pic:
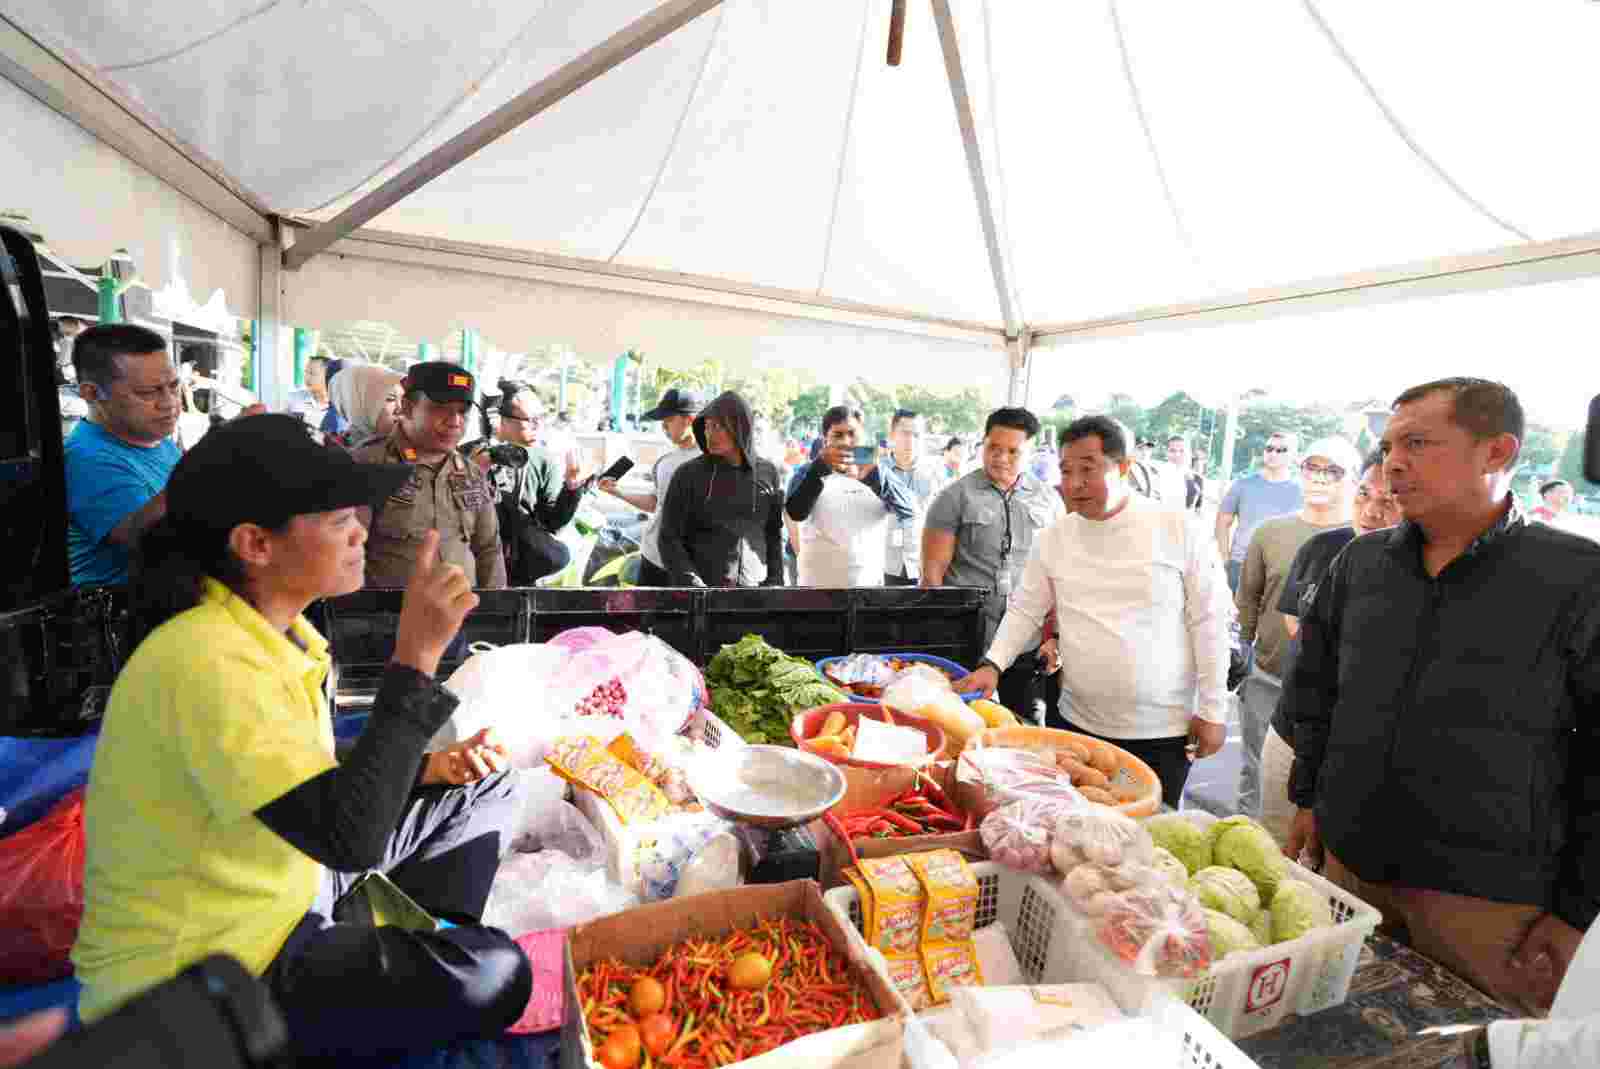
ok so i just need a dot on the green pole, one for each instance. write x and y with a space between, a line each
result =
427 351
305 347
110 310
254 385
469 348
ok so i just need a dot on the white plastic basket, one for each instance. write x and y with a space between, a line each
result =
1050 950
623 841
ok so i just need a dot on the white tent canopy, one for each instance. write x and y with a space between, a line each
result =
759 183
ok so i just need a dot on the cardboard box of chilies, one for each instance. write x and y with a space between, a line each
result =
640 936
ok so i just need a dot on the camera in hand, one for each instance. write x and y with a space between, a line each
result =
864 455
213 1015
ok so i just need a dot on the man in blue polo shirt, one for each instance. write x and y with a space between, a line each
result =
119 458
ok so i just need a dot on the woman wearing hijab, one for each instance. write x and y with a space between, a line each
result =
368 398
219 818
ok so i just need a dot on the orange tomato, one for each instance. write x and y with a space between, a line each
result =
657 1031
614 1055
625 1038
647 997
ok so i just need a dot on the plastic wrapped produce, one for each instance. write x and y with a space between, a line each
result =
920 696
1169 867
1158 931
1104 836
1002 774
675 842
1017 835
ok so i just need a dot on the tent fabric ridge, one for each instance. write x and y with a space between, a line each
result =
677 132
844 150
445 114
1185 237
199 42
1400 129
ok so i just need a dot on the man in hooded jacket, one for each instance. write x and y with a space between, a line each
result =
722 520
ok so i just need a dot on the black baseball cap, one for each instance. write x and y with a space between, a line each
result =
676 402
268 469
442 382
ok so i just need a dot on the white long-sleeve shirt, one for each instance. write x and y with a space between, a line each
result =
1570 1038
1143 607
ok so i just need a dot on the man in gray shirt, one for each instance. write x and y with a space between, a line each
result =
923 478
981 529
1251 501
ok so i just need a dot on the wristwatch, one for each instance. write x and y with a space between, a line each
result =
1480 1049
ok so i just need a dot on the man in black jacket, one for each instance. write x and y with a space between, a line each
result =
1446 704
536 493
722 520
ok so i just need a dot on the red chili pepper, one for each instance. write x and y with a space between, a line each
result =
903 822
932 789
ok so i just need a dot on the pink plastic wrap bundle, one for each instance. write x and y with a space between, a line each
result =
545 952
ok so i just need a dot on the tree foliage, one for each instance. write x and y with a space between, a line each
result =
1571 466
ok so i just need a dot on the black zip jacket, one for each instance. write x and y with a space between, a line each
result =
722 524
1447 729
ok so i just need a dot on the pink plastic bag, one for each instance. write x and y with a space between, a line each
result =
545 951
41 895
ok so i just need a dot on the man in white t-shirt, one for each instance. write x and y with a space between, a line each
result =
1143 612
676 411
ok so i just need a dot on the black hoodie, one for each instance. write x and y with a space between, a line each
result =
721 524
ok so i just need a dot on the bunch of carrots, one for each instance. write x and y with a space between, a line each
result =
722 1002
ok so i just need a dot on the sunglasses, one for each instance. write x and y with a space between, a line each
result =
1276 449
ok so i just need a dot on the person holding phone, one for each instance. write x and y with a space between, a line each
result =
220 816
844 507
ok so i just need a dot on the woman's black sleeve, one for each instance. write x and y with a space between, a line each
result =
804 498
343 818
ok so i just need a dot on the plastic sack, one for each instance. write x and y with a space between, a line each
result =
41 895
922 670
533 892
655 688
35 774
1157 931
561 827
1017 835
507 689
861 669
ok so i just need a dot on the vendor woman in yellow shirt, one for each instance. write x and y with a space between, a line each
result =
219 819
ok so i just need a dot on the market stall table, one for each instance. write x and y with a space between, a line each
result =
1396 995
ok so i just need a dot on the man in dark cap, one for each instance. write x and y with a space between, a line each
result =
445 493
676 411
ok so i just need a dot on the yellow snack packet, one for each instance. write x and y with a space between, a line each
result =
582 761
897 905
948 953
852 875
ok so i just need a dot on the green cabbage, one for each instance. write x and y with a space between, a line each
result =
1261 927
1298 908
1227 891
1186 840
1251 849
1228 936
1218 829
1169 867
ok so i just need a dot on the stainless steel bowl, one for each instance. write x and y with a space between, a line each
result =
766 786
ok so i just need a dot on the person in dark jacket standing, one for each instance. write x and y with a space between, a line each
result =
1446 707
722 521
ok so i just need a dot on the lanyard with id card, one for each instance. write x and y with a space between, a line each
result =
1004 581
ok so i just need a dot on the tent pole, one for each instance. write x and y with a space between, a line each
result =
1229 438
980 183
1019 358
620 46
268 363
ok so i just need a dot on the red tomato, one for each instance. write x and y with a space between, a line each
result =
657 1031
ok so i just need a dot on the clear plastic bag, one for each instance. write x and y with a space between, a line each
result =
1104 837
920 696
506 689
676 841
533 892
1017 835
1157 930
654 688
1003 774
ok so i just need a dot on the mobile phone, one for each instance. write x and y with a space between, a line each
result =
865 454
618 470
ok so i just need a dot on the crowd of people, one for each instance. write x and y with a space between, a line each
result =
1422 659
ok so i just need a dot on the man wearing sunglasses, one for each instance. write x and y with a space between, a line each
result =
1257 498
1329 473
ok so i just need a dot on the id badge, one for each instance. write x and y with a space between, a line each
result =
897 538
1003 582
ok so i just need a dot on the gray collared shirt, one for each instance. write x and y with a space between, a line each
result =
980 515
903 556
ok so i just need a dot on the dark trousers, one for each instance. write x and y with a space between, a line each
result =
1167 758
537 553
898 580
652 574
1019 687
355 991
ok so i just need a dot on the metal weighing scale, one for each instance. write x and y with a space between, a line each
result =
770 793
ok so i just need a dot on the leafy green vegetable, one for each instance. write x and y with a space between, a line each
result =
756 690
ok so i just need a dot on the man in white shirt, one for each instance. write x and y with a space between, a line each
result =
1143 607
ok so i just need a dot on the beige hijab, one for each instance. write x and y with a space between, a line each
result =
360 392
